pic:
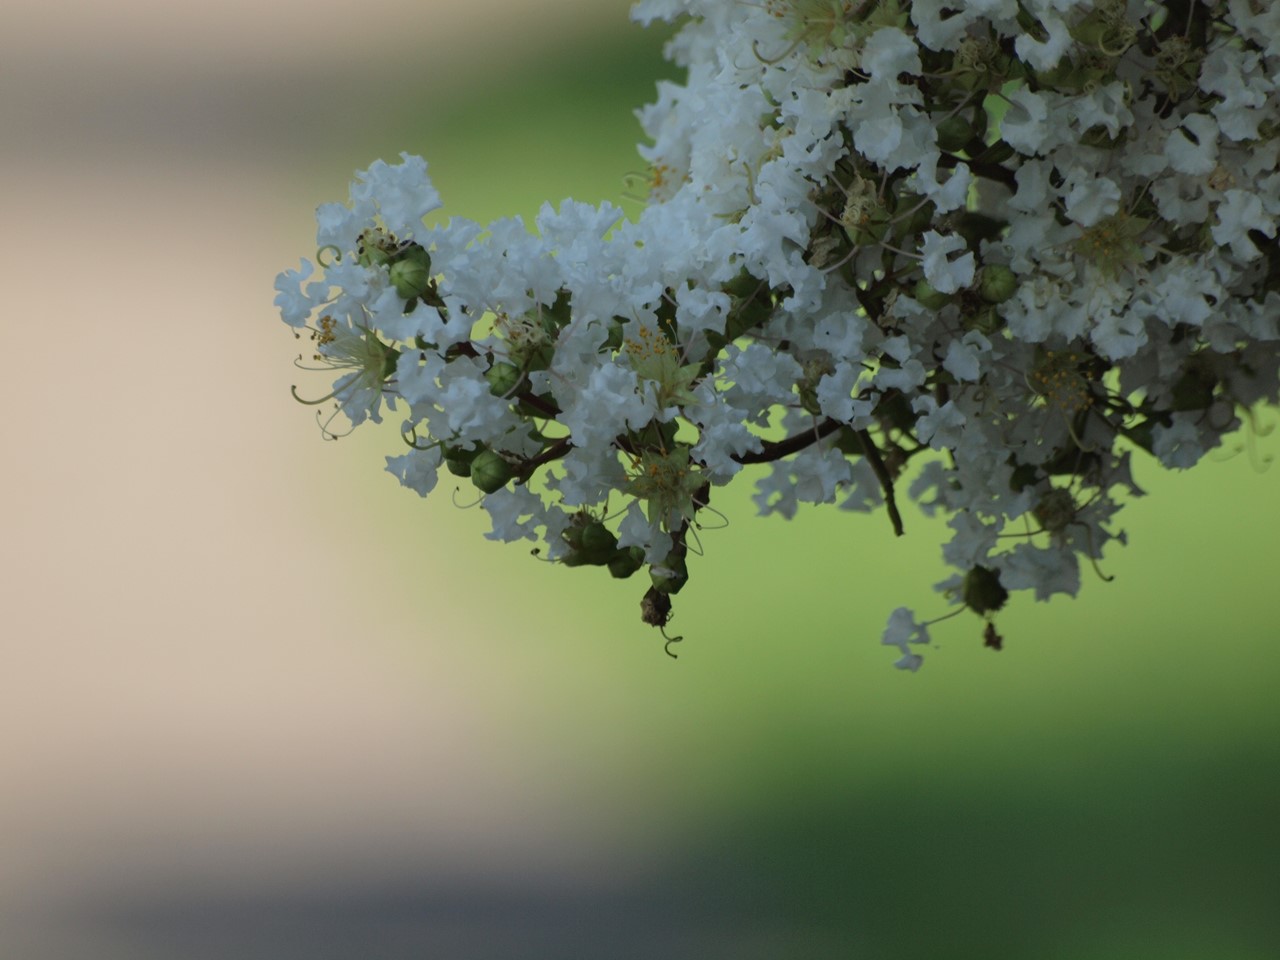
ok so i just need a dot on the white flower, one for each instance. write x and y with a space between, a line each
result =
1025 124
1178 445
296 306
938 426
964 356
401 193
1238 213
515 513
1046 570
1106 107
902 630
417 469
946 274
1044 55
365 362
888 53
609 404
1193 146
1091 198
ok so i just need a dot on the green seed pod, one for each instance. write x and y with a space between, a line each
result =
983 592
410 277
626 562
459 460
986 320
490 472
670 576
598 543
503 378
572 534
414 252
929 295
1056 510
998 283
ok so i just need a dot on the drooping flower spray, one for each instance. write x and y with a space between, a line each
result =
1019 241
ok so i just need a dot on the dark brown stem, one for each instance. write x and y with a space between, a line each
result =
776 450
872 453
553 452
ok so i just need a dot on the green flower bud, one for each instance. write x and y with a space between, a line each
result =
503 378
411 278
998 283
598 544
626 562
670 576
1056 510
983 592
490 472
458 460
929 295
986 320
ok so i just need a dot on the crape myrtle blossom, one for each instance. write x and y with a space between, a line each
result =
979 255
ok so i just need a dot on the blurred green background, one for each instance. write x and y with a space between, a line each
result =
1104 787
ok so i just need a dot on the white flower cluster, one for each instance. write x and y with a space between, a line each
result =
1020 239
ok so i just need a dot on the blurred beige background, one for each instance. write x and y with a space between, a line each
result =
202 677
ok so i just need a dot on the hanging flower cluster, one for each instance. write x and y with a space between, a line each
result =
1019 240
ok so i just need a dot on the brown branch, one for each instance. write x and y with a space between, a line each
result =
553 452
777 449
872 453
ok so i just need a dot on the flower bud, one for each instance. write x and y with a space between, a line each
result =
503 378
411 277
626 562
983 592
998 283
490 472
458 460
597 543
1056 510
669 576
986 320
930 296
